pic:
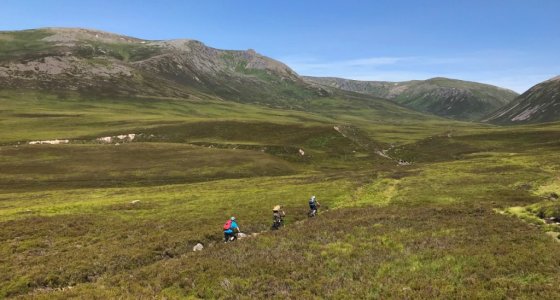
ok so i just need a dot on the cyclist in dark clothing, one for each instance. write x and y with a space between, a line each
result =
313 206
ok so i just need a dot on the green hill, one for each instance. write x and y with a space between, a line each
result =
450 98
539 104
98 62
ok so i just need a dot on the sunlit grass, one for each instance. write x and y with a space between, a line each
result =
120 221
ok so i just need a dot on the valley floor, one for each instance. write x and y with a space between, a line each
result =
94 220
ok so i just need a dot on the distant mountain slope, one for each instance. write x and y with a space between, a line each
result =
101 62
541 103
444 97
89 64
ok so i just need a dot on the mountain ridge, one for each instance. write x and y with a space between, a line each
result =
102 63
451 98
98 61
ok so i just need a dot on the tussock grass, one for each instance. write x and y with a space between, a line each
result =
34 167
80 235
30 115
391 252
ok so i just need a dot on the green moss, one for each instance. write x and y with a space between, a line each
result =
524 214
128 52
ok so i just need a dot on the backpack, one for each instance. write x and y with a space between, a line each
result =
227 225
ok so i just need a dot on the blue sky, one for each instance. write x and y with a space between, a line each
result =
510 43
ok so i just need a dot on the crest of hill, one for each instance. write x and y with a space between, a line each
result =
539 104
450 98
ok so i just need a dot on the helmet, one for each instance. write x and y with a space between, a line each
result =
313 197
232 218
277 208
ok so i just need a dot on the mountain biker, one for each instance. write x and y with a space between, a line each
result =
313 206
278 215
230 230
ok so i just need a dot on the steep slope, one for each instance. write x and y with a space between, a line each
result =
450 98
541 103
101 62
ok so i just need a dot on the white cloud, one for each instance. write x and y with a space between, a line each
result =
373 61
492 67
308 65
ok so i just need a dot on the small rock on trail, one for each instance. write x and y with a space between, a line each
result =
198 247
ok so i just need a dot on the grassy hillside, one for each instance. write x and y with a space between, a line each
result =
101 63
455 99
539 104
71 225
31 115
